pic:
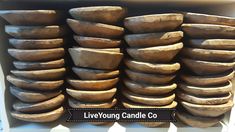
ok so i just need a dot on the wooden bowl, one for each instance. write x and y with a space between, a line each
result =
30 17
149 99
99 43
36 43
32 96
207 110
51 74
35 32
207 90
207 67
145 89
92 96
130 104
93 74
208 54
78 104
93 85
156 79
209 80
163 54
217 44
102 14
146 67
153 39
37 54
197 121
34 85
208 19
153 23
92 29
43 106
39 65
203 100
208 31
39 117
92 58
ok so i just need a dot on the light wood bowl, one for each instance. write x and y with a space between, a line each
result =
208 80
21 65
153 23
92 29
153 39
37 54
32 96
78 104
93 85
93 74
207 67
92 58
92 96
163 54
39 117
146 67
43 106
36 43
157 79
102 14
94 42
145 89
34 85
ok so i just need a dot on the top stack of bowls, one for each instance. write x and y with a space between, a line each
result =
209 53
151 67
37 41
96 55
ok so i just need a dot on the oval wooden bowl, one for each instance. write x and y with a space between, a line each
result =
149 99
30 17
163 54
51 74
207 110
153 23
102 14
146 67
94 42
93 74
78 104
21 65
93 85
218 44
197 121
92 58
32 96
37 54
209 80
130 104
208 19
206 90
207 67
153 39
39 117
35 32
212 100
208 54
36 43
92 29
92 96
157 79
145 89
208 31
34 85
43 106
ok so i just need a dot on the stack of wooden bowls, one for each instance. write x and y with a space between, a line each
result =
37 47
97 58
151 68
209 53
